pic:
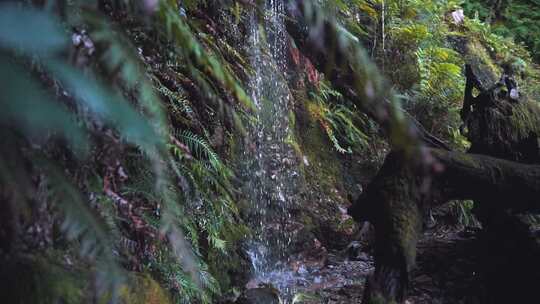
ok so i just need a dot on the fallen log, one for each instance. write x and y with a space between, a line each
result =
396 199
503 190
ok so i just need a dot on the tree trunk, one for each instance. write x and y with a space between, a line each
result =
396 199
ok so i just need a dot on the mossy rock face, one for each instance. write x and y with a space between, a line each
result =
323 170
144 290
261 295
35 279
322 160
46 279
229 270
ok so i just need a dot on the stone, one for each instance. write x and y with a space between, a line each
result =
260 295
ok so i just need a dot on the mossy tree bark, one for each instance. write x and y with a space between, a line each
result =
504 193
507 126
396 199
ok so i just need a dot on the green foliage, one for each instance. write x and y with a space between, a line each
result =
176 279
500 41
419 38
28 107
413 35
35 109
304 298
30 31
127 171
201 150
440 90
430 76
519 20
202 64
178 101
341 124
463 212
440 75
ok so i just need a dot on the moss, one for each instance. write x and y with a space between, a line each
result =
307 221
478 57
464 158
403 216
144 290
324 172
508 131
409 224
42 279
46 279
525 120
324 163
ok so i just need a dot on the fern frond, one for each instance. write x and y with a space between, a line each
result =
178 101
201 149
179 32
82 224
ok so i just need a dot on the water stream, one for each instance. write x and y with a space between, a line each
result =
272 174
273 181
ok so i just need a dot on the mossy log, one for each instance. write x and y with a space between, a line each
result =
503 188
507 127
396 199
497 124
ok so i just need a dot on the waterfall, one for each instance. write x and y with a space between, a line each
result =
271 173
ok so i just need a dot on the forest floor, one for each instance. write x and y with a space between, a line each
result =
445 273
446 268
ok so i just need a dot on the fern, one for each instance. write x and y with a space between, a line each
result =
201 149
338 121
108 113
178 31
97 102
179 102
80 223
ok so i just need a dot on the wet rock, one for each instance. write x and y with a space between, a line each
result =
259 295
302 240
353 251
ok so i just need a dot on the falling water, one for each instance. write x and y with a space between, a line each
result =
272 175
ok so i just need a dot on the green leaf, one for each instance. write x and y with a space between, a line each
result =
30 30
108 105
29 108
83 224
